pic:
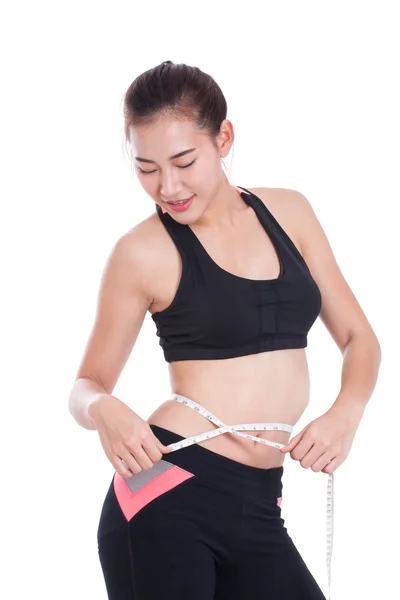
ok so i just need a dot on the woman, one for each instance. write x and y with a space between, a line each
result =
234 278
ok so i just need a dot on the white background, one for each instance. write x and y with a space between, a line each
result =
312 92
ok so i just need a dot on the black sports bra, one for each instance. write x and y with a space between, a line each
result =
216 314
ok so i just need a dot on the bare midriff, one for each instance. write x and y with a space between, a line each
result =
265 387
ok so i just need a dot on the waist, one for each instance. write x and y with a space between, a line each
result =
253 481
181 420
220 470
266 381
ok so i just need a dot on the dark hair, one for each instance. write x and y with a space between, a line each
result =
183 91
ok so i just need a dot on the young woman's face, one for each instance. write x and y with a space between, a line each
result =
167 177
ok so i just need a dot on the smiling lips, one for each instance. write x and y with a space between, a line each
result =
178 201
181 205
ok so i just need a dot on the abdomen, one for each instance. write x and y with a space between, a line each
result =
265 387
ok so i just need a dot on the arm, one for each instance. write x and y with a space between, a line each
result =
341 315
83 397
361 362
121 309
329 437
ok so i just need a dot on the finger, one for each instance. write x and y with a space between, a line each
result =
161 446
322 461
141 457
292 444
153 448
295 440
333 465
311 457
151 440
130 460
121 467
304 446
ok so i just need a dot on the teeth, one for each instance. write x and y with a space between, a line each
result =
180 202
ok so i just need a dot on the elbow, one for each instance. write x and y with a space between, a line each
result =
72 406
369 339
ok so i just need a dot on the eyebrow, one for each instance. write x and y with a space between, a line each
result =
146 160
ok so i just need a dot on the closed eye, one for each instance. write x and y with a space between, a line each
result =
149 172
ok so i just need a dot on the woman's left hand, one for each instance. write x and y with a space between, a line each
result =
325 442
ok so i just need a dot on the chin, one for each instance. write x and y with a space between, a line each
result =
186 218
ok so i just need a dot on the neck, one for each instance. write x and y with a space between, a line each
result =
225 209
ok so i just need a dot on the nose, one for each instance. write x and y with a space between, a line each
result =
170 187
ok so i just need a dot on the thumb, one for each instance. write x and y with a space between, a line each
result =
163 448
293 442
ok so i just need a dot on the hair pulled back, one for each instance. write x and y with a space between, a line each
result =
179 90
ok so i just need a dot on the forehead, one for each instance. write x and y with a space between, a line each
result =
165 136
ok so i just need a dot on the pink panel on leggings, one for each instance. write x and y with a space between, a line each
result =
279 501
132 502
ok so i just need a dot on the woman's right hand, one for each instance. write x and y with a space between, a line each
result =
125 436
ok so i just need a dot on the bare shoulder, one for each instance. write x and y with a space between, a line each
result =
341 313
289 207
125 295
151 255
140 246
138 243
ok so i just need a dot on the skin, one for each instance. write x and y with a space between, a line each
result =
143 273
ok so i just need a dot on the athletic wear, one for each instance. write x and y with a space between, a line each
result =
199 526
216 314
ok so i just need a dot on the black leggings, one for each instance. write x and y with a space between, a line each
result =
199 526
